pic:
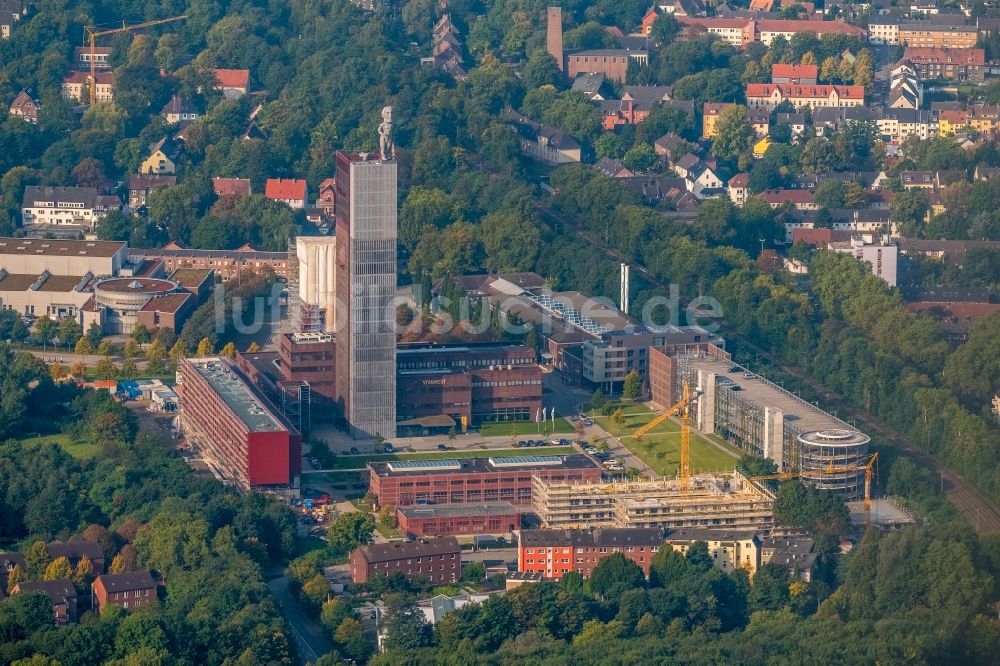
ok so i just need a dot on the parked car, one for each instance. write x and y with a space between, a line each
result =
388 448
354 450
523 443
442 447
735 368
734 387
564 442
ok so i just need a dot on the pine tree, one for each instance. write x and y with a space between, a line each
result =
229 351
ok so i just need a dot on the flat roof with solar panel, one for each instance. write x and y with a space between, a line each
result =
524 461
480 465
423 465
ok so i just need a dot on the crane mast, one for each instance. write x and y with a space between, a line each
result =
683 407
93 32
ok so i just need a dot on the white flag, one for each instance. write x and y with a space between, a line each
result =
553 414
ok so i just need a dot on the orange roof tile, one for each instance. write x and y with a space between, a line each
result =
283 189
794 71
233 78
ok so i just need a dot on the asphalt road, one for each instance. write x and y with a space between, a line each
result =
307 633
981 513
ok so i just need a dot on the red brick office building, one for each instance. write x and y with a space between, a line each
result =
472 480
485 518
130 590
553 553
238 431
308 357
440 560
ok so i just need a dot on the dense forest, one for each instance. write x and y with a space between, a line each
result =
146 509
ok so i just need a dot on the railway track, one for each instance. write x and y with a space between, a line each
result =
982 514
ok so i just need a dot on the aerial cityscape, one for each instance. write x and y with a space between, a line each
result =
405 332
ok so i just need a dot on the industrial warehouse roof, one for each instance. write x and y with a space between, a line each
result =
606 536
481 465
190 277
56 283
237 394
460 510
387 552
60 248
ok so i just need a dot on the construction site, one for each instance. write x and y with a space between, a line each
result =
714 501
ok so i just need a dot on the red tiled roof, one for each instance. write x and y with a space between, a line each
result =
954 116
328 182
946 56
168 303
957 310
233 78
281 189
225 187
819 27
794 71
798 90
740 180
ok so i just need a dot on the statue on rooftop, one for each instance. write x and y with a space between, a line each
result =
385 140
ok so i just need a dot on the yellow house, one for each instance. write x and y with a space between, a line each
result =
730 551
162 158
761 147
710 116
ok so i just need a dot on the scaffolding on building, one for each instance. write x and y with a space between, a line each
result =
712 501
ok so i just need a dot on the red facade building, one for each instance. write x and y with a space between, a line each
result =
553 553
130 590
439 560
60 592
486 518
472 480
241 435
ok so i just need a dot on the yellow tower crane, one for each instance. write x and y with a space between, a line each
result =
683 406
869 473
92 32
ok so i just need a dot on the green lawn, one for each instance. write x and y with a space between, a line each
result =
516 428
661 447
79 450
90 375
357 462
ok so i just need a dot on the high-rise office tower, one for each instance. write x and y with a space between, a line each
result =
366 285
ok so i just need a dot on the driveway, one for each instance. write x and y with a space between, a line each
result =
310 642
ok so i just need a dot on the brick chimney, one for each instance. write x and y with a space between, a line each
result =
553 35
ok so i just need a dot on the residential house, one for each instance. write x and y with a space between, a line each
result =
738 188
590 85
794 553
710 116
951 121
25 106
894 125
76 86
663 189
905 91
447 48
231 187
61 594
800 199
9 560
930 180
770 95
700 179
796 121
637 103
676 8
437 560
74 551
101 57
760 148
140 185
760 121
938 35
733 31
179 109
59 206
327 200
730 551
669 144
960 64
290 191
613 168
11 11
131 590
984 118
767 30
163 157
884 29
543 143
234 83
799 74
880 256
